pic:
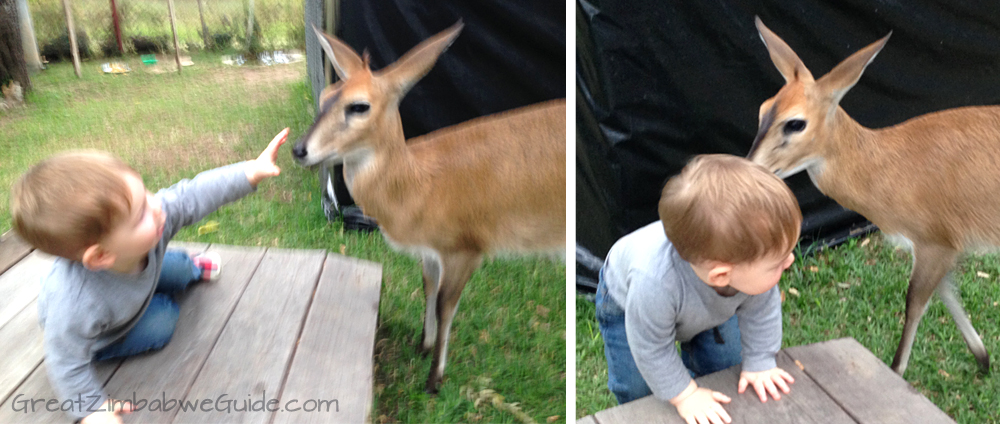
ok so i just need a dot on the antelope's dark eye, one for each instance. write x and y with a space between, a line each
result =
359 107
794 126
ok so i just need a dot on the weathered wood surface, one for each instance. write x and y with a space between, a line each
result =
22 349
863 385
285 324
12 250
333 361
17 409
841 382
20 284
205 308
249 361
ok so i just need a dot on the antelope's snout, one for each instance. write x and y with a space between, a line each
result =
299 152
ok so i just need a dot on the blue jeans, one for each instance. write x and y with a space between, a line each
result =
702 355
156 326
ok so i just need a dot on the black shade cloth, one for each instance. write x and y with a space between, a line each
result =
511 53
661 81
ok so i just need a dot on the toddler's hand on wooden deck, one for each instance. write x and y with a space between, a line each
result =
699 405
765 382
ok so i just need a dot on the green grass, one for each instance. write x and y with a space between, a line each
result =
870 309
509 333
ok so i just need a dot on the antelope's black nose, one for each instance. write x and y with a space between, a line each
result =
299 150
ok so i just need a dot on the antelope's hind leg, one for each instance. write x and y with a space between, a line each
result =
951 299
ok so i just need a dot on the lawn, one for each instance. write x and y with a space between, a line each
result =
858 290
509 333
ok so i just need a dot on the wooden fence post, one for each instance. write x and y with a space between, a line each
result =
204 28
72 38
117 26
173 28
250 27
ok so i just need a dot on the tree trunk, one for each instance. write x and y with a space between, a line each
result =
12 65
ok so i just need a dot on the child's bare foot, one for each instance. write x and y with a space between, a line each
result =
210 265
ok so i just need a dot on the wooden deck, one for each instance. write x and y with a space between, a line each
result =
297 326
839 382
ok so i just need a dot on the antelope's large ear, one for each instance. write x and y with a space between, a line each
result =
787 62
417 62
343 58
847 73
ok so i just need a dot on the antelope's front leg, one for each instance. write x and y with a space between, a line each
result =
432 281
456 268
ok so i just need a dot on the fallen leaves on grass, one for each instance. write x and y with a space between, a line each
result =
793 291
865 242
981 274
209 227
486 396
542 311
944 373
813 268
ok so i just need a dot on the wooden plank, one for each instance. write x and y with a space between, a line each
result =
333 360
865 387
18 409
19 286
249 362
205 308
23 350
12 250
646 410
589 419
807 403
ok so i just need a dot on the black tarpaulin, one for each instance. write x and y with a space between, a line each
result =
510 54
661 81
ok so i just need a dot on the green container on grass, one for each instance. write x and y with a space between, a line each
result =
148 59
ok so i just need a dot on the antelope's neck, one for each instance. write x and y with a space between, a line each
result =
384 178
844 167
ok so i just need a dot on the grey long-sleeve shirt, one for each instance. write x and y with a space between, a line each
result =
83 311
665 302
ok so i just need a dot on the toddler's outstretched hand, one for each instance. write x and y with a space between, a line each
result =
265 165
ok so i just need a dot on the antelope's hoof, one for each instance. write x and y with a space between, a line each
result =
984 364
431 388
422 350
